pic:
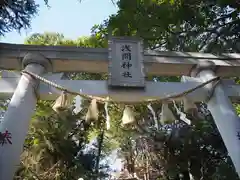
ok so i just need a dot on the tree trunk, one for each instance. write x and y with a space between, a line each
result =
100 142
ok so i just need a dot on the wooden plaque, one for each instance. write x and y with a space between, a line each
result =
126 62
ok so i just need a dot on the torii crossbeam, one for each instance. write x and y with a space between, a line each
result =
52 59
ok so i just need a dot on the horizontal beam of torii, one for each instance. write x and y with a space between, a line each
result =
153 90
95 60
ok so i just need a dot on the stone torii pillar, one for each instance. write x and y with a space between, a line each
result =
222 110
18 115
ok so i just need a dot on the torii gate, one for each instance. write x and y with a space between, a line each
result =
53 59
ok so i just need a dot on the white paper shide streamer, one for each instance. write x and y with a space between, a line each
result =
107 116
78 104
183 116
154 115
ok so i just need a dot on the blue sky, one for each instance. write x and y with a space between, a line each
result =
69 17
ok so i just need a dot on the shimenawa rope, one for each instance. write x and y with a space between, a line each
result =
103 100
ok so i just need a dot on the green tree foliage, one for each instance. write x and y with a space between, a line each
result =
17 14
181 25
54 146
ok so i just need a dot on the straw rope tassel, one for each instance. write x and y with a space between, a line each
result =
128 116
189 105
62 102
92 113
166 115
